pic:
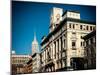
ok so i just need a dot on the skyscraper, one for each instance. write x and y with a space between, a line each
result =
35 55
35 45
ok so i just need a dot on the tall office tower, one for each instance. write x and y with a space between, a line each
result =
35 45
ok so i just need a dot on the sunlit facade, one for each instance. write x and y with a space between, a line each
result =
18 63
63 47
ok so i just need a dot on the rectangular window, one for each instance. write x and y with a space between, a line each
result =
73 26
81 37
87 28
81 43
69 25
55 49
80 26
73 33
73 45
90 27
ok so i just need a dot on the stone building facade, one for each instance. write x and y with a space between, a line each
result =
28 67
90 50
63 47
18 62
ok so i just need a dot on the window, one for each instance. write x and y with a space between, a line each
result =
81 37
93 28
90 27
73 45
69 25
64 35
55 49
81 43
76 24
64 43
87 28
73 26
73 33
58 49
64 62
80 26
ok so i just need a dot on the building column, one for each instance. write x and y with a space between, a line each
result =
53 48
59 48
51 51
56 49
46 55
68 62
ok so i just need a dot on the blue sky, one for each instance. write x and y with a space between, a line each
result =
30 17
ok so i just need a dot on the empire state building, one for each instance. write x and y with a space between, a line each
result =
35 45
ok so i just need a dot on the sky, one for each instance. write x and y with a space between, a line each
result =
30 17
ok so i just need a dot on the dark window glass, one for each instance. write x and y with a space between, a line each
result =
87 28
73 43
55 49
64 43
80 26
58 48
73 26
90 27
73 33
81 43
69 25
81 37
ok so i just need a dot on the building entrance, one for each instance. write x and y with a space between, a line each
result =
77 63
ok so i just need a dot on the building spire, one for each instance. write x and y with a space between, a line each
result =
34 36
35 45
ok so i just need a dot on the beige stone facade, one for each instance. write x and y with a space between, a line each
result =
18 63
63 47
35 62
28 67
